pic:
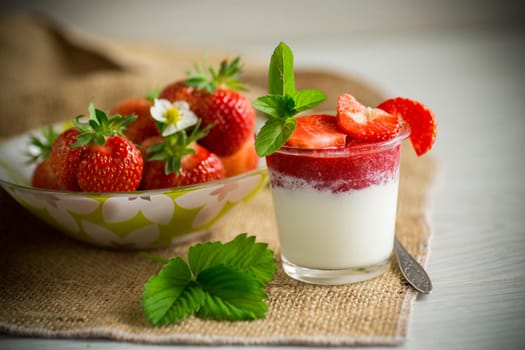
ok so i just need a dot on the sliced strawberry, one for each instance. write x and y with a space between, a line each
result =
420 119
317 131
365 123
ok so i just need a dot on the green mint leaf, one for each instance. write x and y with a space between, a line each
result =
273 135
281 79
276 106
306 99
231 294
171 295
282 102
242 253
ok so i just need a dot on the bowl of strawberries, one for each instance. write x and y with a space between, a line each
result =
150 172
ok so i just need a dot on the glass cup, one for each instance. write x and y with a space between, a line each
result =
336 209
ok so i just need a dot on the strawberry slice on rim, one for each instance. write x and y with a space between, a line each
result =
365 123
317 131
420 119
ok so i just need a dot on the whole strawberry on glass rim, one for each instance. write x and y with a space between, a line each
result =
334 178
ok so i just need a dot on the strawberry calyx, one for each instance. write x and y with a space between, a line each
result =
175 146
40 147
210 79
100 126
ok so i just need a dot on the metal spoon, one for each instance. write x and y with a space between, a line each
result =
413 272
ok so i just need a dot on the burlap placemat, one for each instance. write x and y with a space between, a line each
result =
54 286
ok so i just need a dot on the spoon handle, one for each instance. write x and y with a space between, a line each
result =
413 272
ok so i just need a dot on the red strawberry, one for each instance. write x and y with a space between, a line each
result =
201 166
181 91
115 166
244 160
42 176
64 159
317 131
365 123
96 157
144 126
420 119
222 105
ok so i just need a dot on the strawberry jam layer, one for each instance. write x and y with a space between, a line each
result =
354 167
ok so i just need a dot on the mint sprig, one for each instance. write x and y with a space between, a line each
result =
282 103
222 281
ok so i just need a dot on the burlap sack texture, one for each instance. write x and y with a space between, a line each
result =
54 286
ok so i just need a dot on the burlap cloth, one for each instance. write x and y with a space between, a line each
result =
53 286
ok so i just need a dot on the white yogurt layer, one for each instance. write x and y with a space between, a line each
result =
325 230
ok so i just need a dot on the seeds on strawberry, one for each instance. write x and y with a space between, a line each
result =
317 131
105 161
220 103
233 118
419 117
365 123
115 166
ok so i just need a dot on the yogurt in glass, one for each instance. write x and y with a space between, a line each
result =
336 209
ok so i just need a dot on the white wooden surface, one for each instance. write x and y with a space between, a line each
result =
463 58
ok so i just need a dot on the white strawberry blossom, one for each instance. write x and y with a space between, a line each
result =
176 116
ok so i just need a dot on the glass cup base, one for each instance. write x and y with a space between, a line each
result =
334 277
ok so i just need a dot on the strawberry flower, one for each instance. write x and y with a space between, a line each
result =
174 116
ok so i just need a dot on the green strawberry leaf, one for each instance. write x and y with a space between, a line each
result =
172 294
225 282
273 135
241 253
231 294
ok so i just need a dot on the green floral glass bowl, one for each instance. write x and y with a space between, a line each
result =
134 220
